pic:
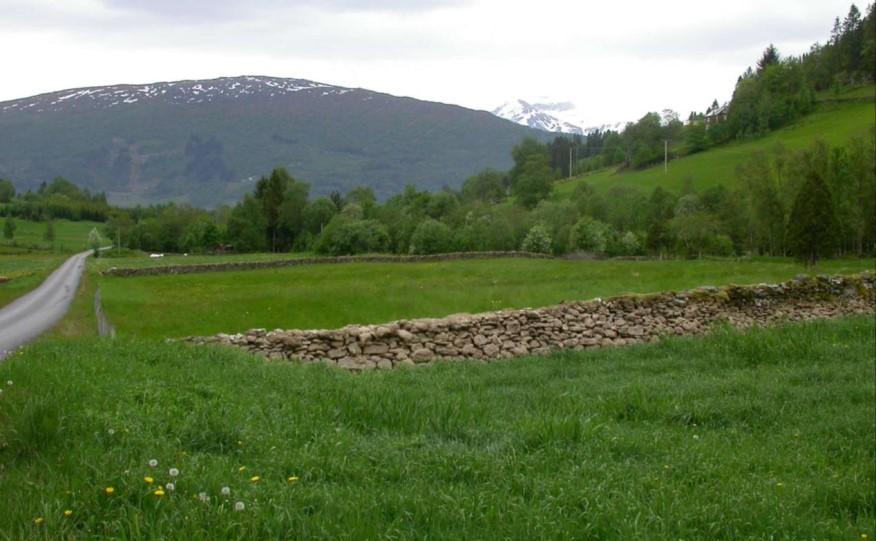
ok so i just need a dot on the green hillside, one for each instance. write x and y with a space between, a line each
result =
834 123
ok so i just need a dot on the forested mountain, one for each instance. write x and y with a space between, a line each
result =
205 142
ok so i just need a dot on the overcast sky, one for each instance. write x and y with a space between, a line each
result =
614 60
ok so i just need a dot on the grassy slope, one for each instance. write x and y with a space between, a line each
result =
70 237
767 435
328 296
833 123
868 91
26 272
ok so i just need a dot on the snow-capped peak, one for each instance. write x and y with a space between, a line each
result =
534 116
172 92
552 116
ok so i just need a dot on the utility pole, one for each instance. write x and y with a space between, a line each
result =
665 156
119 240
570 161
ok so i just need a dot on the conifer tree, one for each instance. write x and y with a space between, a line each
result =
811 228
9 228
770 56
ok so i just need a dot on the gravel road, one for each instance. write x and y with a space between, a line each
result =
38 311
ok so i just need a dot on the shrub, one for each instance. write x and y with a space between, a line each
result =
589 235
537 240
721 245
629 244
343 236
430 237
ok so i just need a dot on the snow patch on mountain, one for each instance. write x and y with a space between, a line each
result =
557 117
173 92
528 114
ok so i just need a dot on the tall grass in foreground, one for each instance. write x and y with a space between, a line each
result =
765 435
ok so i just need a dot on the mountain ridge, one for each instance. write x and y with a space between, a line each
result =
178 90
205 141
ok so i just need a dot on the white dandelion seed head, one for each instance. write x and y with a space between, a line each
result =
225 491
153 463
169 487
110 431
203 496
173 472
9 382
239 506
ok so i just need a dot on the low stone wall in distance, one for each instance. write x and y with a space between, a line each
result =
255 265
576 325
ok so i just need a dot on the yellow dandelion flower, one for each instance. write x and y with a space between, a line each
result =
292 479
38 521
254 478
780 484
864 536
109 490
242 468
159 492
68 512
149 480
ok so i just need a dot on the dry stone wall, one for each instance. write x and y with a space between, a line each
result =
255 265
575 325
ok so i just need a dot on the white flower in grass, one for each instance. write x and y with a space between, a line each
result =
9 382
169 487
225 491
239 506
173 472
110 431
153 463
203 496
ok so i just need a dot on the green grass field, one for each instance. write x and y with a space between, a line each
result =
26 271
767 435
70 237
832 123
142 259
868 91
329 296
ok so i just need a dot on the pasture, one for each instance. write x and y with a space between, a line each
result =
137 259
834 123
25 272
329 296
70 237
732 436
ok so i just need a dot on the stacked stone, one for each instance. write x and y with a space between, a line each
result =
576 325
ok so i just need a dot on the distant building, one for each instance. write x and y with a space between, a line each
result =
716 115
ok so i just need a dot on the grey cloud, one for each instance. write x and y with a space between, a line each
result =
217 10
740 37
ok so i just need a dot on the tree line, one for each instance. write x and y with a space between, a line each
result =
814 203
779 195
768 96
58 199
